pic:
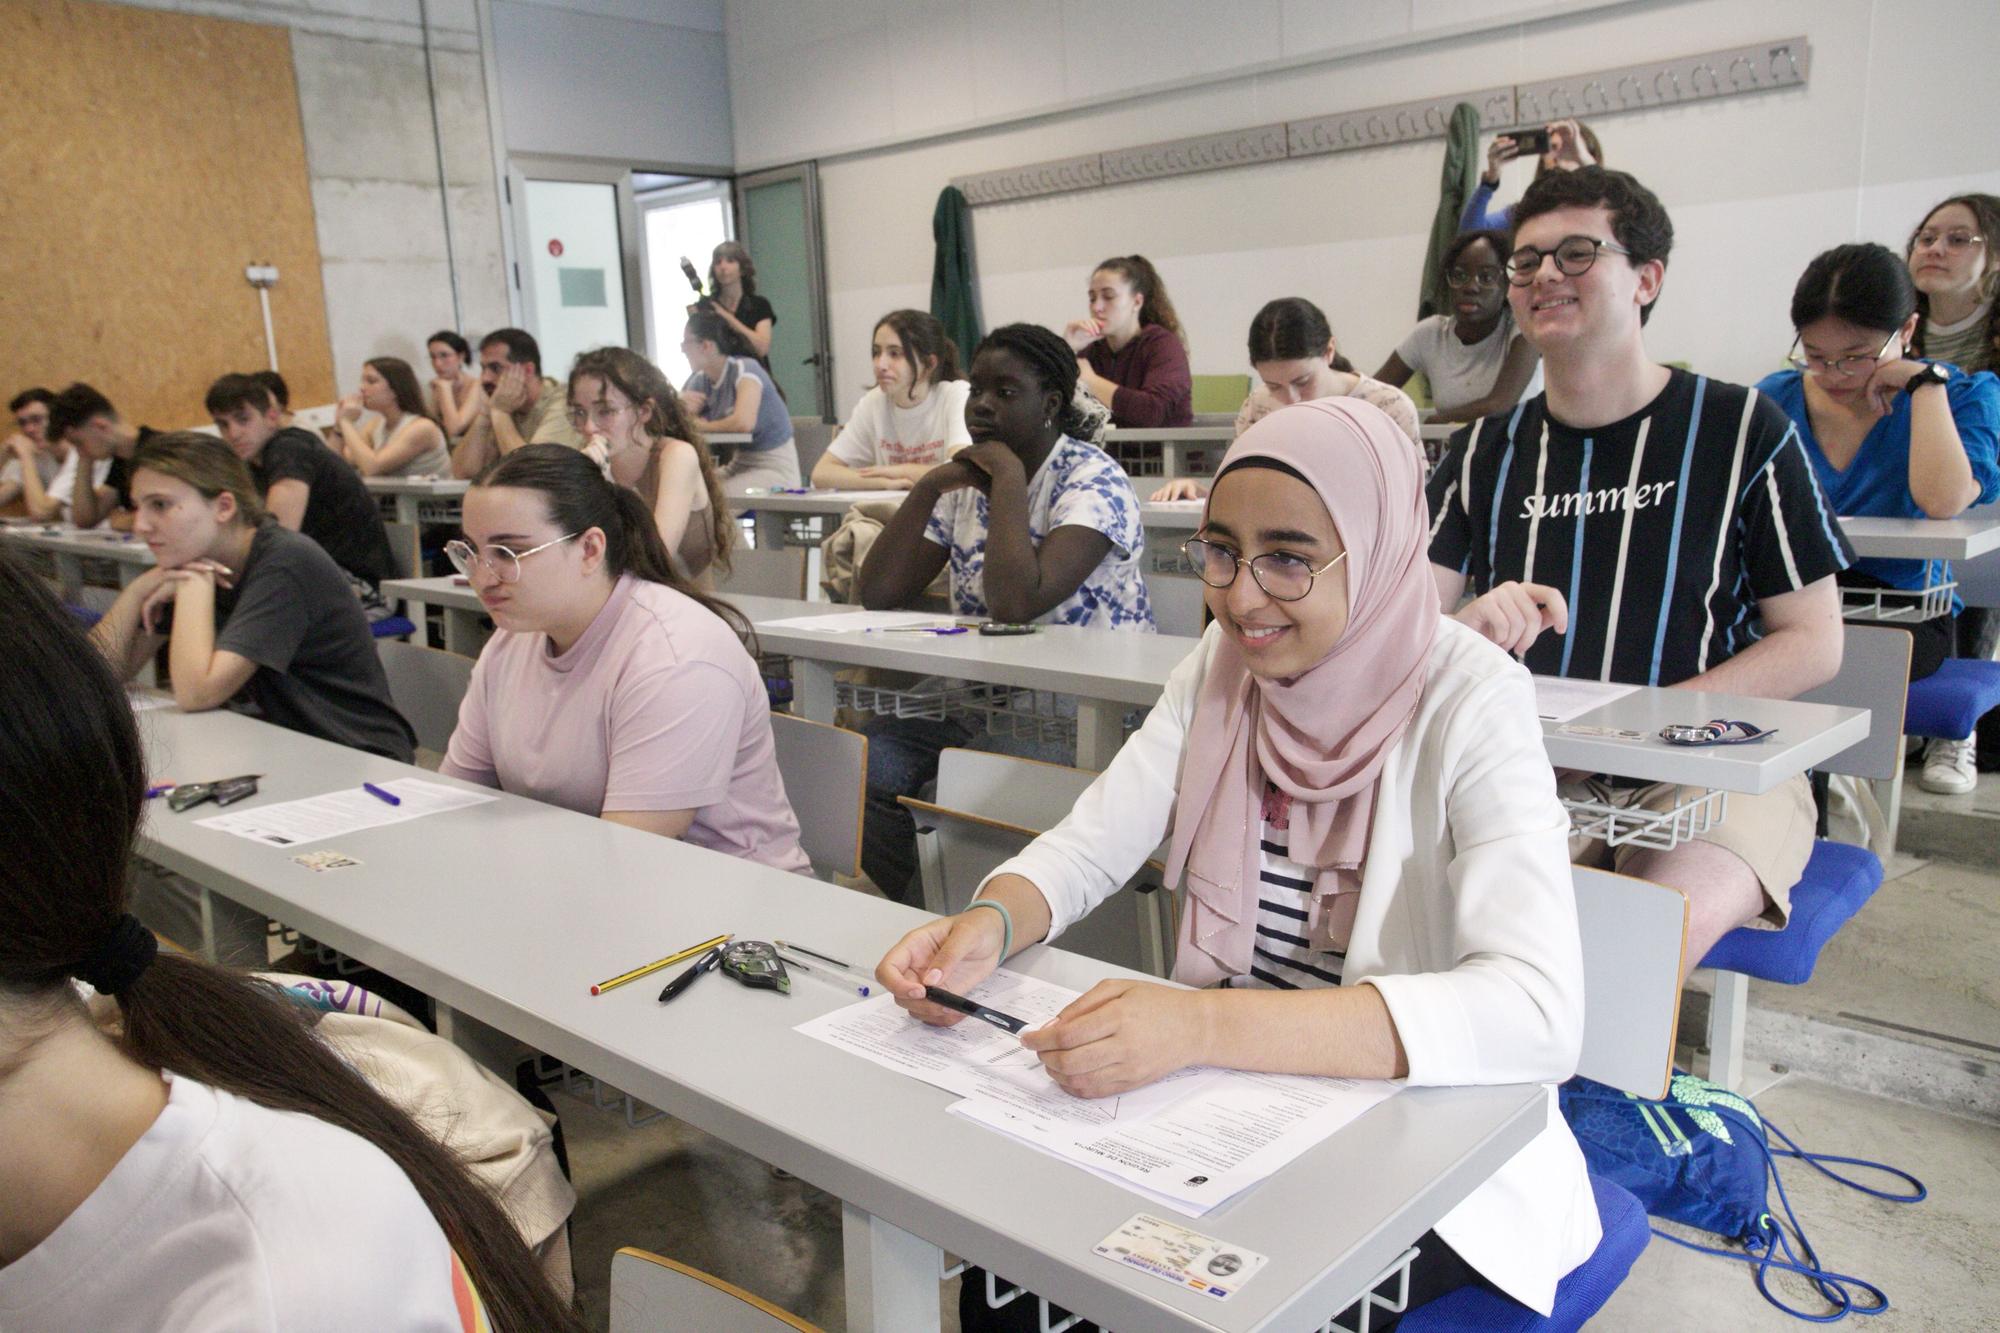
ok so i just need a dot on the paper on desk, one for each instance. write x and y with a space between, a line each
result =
291 823
145 700
849 622
949 1058
1558 699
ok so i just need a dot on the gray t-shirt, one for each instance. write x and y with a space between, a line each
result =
293 613
1461 372
773 426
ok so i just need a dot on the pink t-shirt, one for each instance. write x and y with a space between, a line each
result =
656 707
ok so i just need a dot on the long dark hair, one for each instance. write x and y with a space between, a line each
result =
1049 358
1863 284
644 384
403 383
1292 328
1143 278
579 497
923 338
205 463
72 789
746 270
454 342
1985 209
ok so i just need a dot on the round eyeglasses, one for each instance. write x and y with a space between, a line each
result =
1573 255
502 561
1472 279
1839 367
1283 576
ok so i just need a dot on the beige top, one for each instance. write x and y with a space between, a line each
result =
640 470
1388 397
547 420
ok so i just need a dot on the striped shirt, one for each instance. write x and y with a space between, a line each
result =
1662 530
1967 344
1283 958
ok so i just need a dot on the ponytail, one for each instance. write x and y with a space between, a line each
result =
1140 275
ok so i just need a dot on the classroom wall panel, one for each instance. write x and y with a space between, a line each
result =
137 189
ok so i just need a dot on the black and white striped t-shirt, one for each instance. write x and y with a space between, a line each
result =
1283 958
1662 530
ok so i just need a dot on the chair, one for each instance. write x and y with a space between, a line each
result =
1177 602
754 572
426 686
1838 879
811 436
825 769
651 1293
392 628
1948 703
990 806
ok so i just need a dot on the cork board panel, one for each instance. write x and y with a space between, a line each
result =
148 159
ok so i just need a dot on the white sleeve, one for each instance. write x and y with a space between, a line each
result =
856 444
953 394
1123 816
1414 350
63 488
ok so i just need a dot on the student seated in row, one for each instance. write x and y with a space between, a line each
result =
404 442
1131 352
33 459
1297 360
1954 259
914 417
1474 359
281 393
613 687
1646 525
628 412
241 1172
1034 525
523 405
305 486
94 487
254 616
455 398
1376 876
736 395
1890 435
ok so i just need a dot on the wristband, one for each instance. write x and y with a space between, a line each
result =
1006 923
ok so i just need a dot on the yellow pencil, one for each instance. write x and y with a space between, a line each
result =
650 968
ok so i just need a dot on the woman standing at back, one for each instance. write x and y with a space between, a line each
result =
1131 352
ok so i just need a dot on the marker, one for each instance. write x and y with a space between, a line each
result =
1007 1022
672 958
380 794
852 981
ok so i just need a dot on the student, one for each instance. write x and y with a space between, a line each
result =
735 394
613 687
409 444
1474 359
747 318
1293 352
1572 144
1035 525
1890 436
304 485
523 406
94 487
1131 352
1664 526
455 395
914 417
1954 258
629 412
1375 864
33 460
254 615
243 1175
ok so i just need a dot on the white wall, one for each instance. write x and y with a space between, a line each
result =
1756 184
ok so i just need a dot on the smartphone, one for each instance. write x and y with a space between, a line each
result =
1000 629
1531 143
694 278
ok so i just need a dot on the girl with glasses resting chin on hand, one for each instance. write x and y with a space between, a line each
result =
614 687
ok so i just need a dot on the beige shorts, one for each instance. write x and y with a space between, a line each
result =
1772 833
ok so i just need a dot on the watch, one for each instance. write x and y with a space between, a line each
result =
1932 373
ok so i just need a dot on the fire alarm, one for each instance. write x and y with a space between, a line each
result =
555 249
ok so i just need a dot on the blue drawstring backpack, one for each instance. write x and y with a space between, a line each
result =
1703 1156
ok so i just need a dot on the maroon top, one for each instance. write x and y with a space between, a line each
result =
1155 387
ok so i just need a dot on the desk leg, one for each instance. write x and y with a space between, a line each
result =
1100 729
812 687
461 632
488 1046
771 530
69 574
892 1276
406 510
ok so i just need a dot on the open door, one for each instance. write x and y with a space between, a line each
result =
777 217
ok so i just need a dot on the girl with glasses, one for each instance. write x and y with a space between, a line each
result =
1355 794
1889 434
1953 264
614 687
1474 359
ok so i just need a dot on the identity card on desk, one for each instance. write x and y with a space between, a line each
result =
1190 1141
291 823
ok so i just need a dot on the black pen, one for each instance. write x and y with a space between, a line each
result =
939 995
680 983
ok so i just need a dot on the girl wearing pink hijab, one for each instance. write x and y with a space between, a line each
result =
1365 823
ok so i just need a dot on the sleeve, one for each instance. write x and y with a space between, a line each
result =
63 487
675 731
856 444
270 620
11 472
1480 215
1395 404
470 754
943 521
1414 350
1164 387
1121 818
1790 538
955 435
288 460
760 309
1449 494
1100 498
1975 410
555 426
1510 1007
119 479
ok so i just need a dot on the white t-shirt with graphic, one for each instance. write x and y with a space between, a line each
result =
880 434
63 488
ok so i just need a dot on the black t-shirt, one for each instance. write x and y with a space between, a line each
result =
294 615
1662 530
752 310
340 513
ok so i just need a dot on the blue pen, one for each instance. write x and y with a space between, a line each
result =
918 629
381 795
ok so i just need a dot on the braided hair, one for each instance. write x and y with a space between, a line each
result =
1052 363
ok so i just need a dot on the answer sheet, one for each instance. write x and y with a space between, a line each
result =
292 823
851 622
1559 699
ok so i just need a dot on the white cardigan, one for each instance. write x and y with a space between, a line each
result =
1466 924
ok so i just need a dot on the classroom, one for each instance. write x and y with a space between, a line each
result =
944 666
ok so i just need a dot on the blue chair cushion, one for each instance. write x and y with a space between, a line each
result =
392 627
1949 703
1838 880
1578 1297
83 614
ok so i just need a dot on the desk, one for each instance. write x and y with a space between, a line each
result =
419 500
1175 443
1972 534
459 608
773 512
503 913
69 547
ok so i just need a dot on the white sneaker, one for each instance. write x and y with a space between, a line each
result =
1950 767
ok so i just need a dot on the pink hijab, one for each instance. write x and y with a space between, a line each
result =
1322 736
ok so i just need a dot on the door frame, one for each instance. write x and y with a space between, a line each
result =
524 167
718 186
807 173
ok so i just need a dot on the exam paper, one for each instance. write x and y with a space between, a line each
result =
145 701
1559 699
291 823
849 622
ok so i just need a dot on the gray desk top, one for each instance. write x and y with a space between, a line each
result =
1974 533
1196 434
506 911
1806 734
815 502
436 487
95 543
